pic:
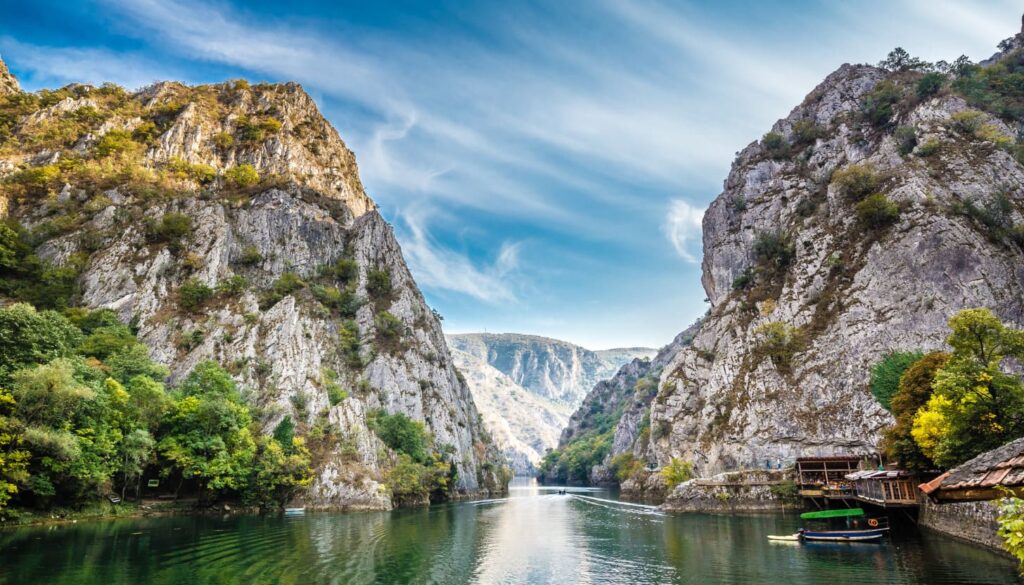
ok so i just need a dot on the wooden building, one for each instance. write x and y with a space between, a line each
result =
889 488
826 476
986 477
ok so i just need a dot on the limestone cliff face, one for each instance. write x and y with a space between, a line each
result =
346 331
784 245
557 370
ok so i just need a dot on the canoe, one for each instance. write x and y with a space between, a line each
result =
844 535
294 511
785 537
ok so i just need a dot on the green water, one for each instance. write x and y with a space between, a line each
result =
534 536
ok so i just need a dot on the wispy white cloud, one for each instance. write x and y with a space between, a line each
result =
683 227
442 268
57 66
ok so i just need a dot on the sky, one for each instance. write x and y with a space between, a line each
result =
545 165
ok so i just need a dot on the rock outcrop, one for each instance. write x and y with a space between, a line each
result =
810 285
8 83
228 222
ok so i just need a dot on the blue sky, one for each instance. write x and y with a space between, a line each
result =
545 165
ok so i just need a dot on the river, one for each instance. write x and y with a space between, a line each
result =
533 536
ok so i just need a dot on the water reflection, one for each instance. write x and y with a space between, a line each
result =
534 536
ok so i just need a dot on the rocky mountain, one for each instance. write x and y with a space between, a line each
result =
891 198
523 424
526 386
885 202
228 222
556 370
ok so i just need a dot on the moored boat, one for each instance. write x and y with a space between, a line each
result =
857 529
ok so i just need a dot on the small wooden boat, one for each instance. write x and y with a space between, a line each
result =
785 537
844 535
294 511
857 529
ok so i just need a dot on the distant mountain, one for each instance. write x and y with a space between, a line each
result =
557 370
524 425
526 386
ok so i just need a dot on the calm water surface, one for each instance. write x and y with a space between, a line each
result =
534 536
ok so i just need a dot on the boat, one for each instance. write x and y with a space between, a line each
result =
294 511
857 529
785 537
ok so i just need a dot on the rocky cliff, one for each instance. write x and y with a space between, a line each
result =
527 386
885 202
228 222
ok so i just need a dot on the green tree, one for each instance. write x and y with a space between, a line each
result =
136 449
278 472
1011 526
677 472
976 406
913 393
401 433
29 337
886 374
13 458
207 432
284 432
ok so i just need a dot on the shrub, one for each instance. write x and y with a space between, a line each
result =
856 181
625 466
929 148
345 302
401 434
968 122
807 132
677 472
223 140
256 131
775 144
344 269
145 133
930 84
242 176
877 211
878 103
389 328
193 293
378 284
287 283
233 285
786 490
250 255
171 227
36 180
906 139
335 393
202 174
779 342
773 249
114 142
886 374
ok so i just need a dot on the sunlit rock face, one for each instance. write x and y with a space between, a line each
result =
293 350
854 291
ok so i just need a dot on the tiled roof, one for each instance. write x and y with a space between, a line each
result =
1003 466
